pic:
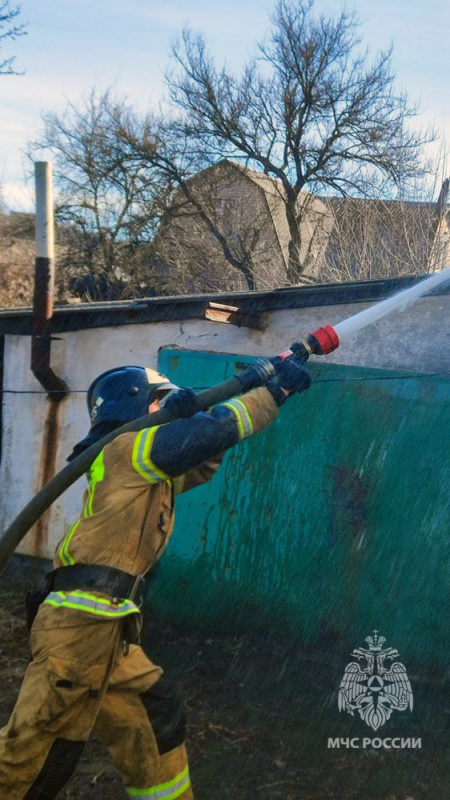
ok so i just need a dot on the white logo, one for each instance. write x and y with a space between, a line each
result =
375 686
97 405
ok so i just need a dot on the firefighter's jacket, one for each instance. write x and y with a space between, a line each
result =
128 512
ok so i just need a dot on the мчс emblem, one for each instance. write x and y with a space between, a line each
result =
375 685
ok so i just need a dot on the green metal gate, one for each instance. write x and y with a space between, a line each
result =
332 522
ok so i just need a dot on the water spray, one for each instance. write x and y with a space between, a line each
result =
328 338
398 301
321 342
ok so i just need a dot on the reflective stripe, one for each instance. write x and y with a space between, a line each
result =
141 457
87 503
165 791
95 475
64 554
83 601
244 420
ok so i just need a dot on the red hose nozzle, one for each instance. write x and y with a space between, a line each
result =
323 340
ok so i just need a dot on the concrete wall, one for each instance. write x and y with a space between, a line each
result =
37 436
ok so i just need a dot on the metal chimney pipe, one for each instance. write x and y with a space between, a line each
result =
43 284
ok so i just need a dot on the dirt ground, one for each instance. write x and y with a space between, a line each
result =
260 714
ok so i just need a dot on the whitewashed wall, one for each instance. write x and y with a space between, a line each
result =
417 340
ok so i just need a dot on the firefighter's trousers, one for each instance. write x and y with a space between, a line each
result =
81 680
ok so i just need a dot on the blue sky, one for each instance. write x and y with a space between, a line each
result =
73 45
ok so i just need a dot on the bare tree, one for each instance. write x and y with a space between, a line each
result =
159 143
9 31
3 204
378 239
374 238
188 253
109 209
312 111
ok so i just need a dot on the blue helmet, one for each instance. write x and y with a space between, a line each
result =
125 393
119 396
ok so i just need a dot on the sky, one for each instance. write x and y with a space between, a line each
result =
73 45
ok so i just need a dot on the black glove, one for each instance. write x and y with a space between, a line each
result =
289 375
256 375
182 403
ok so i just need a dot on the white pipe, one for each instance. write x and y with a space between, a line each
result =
45 235
399 300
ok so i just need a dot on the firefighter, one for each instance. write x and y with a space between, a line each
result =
88 671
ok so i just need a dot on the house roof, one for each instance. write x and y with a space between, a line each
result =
403 234
407 233
274 194
268 183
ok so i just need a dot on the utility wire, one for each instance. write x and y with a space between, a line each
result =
317 380
386 378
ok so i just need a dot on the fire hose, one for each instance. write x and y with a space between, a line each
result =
321 342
